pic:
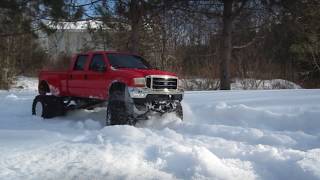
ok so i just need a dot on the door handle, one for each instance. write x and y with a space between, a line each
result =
85 77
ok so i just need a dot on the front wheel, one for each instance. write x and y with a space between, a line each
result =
118 110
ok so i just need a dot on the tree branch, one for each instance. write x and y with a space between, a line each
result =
207 13
82 5
247 44
238 11
314 58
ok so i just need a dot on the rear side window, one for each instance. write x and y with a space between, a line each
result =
97 63
80 63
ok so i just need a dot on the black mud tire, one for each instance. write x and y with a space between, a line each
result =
118 112
179 111
52 106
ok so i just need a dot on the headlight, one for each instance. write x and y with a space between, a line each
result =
139 81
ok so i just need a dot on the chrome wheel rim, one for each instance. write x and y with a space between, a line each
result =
39 109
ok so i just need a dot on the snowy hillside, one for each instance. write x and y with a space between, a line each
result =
272 134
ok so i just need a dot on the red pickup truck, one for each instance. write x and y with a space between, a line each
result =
130 88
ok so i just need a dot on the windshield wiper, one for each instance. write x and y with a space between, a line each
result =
118 67
142 68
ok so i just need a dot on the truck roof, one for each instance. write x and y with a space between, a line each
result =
109 51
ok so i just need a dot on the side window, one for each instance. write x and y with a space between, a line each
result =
97 63
80 63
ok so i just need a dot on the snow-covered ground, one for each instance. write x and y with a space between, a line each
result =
272 134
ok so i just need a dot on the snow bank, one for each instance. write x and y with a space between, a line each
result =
270 134
237 84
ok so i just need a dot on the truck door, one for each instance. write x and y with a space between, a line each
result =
96 81
77 77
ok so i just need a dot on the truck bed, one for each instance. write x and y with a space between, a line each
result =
58 81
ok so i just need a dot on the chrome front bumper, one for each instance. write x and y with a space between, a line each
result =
142 92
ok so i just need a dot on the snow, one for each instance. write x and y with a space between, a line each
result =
79 25
257 134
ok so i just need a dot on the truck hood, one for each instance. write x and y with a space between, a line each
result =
144 72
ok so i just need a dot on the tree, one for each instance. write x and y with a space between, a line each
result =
132 12
21 22
299 27
227 12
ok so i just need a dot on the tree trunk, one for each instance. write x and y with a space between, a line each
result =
134 38
226 45
135 21
163 39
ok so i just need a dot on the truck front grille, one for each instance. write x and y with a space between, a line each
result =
161 83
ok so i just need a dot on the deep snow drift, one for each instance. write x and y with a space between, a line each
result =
273 134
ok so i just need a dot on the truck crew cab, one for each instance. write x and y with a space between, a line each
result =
130 88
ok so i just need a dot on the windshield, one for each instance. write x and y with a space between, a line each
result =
127 61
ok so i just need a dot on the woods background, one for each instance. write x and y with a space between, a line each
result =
209 39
